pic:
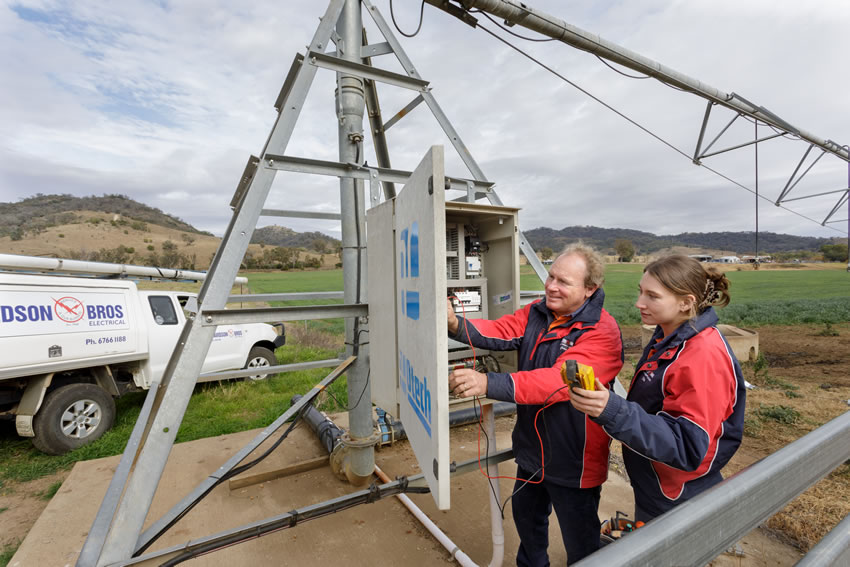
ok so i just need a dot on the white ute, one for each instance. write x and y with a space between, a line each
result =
71 345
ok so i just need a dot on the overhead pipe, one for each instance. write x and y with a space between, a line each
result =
518 13
63 266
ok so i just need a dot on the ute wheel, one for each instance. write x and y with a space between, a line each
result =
72 416
260 357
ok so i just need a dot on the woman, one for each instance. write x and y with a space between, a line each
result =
684 415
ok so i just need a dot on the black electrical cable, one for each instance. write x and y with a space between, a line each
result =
233 472
643 128
542 464
785 134
507 30
359 398
626 74
421 17
476 400
235 539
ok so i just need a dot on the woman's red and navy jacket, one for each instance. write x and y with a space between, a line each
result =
683 418
575 448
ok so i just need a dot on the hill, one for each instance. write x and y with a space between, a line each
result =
40 212
646 243
282 236
115 228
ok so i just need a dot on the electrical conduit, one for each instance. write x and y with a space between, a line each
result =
328 433
444 540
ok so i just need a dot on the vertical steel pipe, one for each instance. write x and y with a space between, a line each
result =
350 104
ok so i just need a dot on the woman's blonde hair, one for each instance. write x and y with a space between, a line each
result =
686 276
595 265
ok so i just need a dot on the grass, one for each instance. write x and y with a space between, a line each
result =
759 298
51 491
767 297
8 552
298 282
779 413
828 331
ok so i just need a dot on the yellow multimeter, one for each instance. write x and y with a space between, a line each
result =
578 375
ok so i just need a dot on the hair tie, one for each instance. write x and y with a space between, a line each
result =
709 295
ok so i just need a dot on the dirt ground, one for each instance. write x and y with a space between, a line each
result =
805 371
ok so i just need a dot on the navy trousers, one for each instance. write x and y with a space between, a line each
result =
578 517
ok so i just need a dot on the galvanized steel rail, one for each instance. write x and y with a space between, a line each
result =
702 528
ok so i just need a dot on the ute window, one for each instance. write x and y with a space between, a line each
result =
163 310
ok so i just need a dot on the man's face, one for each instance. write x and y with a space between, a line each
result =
565 289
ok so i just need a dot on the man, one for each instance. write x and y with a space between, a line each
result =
569 324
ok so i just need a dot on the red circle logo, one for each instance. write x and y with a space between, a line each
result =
68 309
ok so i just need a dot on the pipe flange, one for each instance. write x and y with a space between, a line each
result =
346 440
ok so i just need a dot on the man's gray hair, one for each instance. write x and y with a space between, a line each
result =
592 259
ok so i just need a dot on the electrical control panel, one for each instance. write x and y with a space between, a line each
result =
482 273
481 263
423 250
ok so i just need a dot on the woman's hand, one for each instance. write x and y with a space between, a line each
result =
591 402
466 383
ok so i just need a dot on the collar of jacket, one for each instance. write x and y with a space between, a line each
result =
589 312
683 332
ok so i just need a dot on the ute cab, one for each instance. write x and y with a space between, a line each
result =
166 313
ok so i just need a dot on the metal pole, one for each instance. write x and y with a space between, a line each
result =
350 104
756 146
733 507
496 526
833 549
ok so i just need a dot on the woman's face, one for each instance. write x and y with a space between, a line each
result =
660 306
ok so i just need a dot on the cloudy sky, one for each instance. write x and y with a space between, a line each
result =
164 101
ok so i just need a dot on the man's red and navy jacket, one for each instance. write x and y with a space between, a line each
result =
683 418
575 448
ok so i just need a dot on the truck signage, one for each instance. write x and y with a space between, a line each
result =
30 313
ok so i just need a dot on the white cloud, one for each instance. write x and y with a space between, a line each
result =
164 102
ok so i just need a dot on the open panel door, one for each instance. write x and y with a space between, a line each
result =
415 294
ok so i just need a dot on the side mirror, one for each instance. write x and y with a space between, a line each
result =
191 305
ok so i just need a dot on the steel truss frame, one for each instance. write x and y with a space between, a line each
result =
116 535
519 13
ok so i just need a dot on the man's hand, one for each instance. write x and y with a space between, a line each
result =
451 317
591 402
466 383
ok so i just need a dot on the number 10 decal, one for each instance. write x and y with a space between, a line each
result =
409 264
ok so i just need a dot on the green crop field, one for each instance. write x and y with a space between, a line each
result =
300 282
766 297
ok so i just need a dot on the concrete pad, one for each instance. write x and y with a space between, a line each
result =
381 533
743 342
